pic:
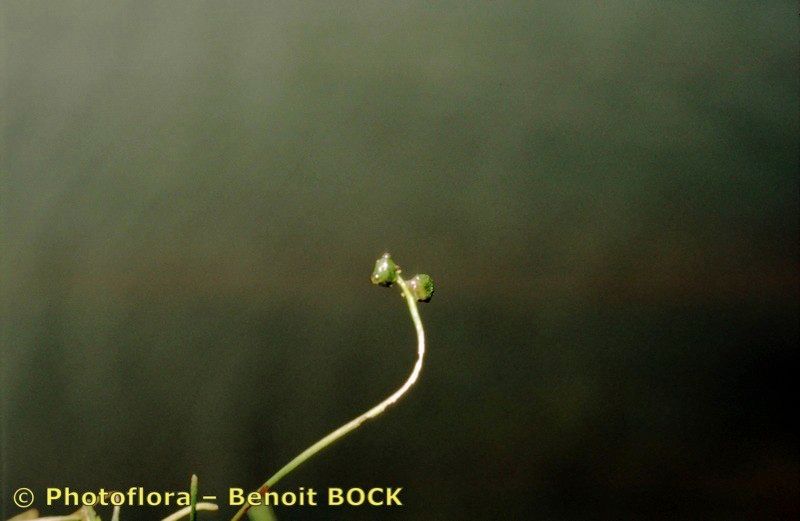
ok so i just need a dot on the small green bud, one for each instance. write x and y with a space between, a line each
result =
385 272
422 287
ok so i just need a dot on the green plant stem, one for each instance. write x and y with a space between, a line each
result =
193 498
356 422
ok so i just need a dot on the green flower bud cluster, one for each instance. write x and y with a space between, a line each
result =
386 273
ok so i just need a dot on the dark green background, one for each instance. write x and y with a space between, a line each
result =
193 195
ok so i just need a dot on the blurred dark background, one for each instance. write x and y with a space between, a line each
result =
194 193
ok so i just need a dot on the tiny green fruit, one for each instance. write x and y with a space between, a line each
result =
422 287
385 272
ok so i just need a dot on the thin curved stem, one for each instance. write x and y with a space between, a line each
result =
357 421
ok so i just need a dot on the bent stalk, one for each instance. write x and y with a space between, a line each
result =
411 300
